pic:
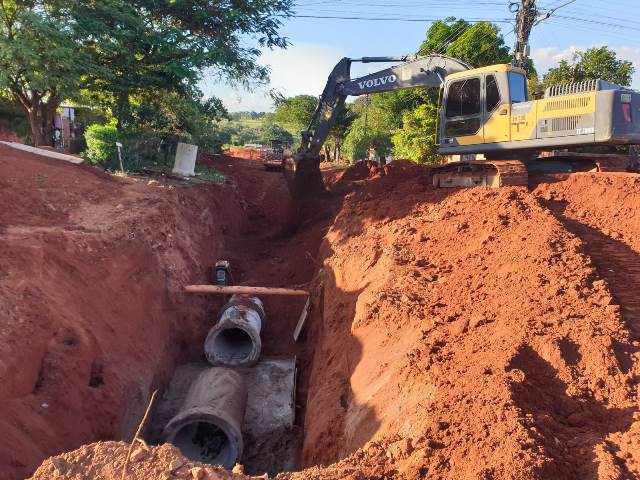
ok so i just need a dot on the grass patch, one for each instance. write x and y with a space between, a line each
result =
210 174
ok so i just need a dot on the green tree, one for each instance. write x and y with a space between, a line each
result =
270 132
372 128
333 145
40 64
595 63
478 44
166 45
399 121
240 133
294 114
118 50
416 140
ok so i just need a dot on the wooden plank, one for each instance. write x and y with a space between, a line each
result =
244 290
301 320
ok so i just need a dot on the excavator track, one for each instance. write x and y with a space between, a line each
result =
481 173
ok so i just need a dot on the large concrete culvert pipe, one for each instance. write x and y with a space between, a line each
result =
208 426
235 340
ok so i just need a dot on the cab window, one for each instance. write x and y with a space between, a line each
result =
463 98
492 93
517 87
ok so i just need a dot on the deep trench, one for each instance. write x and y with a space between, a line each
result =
278 246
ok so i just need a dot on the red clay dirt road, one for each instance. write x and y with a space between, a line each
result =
455 334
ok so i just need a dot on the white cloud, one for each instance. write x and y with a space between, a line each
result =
300 69
545 58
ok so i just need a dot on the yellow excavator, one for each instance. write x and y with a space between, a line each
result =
484 113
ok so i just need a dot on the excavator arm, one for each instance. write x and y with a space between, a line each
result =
427 71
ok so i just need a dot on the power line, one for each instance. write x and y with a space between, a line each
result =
396 19
598 22
421 5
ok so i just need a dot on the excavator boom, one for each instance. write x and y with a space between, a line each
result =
426 71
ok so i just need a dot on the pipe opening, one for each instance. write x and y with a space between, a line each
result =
233 344
207 443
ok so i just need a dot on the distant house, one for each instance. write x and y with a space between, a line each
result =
68 132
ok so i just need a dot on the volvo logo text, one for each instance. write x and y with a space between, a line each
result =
376 82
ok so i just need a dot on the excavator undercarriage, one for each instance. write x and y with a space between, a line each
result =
481 173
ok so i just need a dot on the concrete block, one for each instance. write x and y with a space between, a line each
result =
185 163
271 441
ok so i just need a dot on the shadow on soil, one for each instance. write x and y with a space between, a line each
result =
569 429
619 266
335 355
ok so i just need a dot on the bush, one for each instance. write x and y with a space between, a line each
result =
142 148
101 146
416 140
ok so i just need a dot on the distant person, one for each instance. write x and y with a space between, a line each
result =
57 138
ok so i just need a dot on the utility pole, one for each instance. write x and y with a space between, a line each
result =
526 17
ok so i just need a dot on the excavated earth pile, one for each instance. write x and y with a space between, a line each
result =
93 318
478 333
469 333
105 460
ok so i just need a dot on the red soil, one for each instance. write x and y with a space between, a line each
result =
454 333
106 461
92 314
245 153
476 333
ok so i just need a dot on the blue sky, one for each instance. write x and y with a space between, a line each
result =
318 43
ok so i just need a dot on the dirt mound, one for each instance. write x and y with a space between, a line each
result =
246 153
469 334
93 317
106 460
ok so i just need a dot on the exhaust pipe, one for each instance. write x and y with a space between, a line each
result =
235 340
208 426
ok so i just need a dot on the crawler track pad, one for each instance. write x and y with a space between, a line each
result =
481 173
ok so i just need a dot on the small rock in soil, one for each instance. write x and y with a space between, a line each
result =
198 473
138 454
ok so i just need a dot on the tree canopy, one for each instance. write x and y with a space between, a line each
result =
404 122
294 113
594 63
40 63
122 51
477 44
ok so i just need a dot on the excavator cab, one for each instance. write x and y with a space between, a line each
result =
477 106
488 111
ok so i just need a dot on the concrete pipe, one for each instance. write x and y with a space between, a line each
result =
235 340
208 426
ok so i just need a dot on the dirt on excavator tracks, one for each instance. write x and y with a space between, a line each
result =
454 333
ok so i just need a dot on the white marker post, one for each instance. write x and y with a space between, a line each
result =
119 145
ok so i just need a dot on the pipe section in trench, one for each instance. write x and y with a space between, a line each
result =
208 426
234 341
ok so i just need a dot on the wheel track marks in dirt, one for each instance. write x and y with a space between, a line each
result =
619 266
572 431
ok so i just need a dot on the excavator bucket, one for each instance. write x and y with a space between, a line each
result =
303 176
